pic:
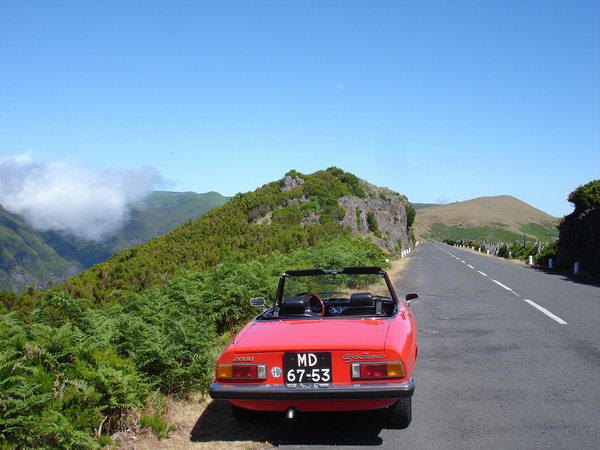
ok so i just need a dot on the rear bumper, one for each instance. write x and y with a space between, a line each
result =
350 391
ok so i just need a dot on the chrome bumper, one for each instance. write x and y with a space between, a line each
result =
348 391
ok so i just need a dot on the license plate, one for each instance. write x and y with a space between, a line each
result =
307 367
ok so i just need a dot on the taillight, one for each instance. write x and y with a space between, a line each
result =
392 369
242 371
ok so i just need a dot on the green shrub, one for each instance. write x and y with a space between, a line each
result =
547 253
59 386
586 196
156 423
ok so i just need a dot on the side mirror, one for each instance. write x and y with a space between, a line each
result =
411 297
258 302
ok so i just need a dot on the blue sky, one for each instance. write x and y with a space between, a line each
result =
441 101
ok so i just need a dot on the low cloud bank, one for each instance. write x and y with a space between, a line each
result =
78 199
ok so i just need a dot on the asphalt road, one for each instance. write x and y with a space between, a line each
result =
509 357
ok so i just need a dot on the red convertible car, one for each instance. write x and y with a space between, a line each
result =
334 340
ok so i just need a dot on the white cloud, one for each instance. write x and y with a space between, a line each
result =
65 196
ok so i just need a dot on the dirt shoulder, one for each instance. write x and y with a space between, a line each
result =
199 423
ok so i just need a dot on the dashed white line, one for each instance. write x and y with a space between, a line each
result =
545 311
470 266
501 285
484 274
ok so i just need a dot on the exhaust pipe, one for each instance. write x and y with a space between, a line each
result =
290 413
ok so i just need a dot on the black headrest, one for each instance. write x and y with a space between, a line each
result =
294 305
361 299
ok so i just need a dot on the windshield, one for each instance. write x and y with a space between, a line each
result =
353 291
336 285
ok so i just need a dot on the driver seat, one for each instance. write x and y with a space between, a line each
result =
295 307
361 304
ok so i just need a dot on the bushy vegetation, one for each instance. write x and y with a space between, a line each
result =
586 196
76 360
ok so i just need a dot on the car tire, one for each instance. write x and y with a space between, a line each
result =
243 414
400 413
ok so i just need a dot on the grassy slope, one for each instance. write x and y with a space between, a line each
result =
493 219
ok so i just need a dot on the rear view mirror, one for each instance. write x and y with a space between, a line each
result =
411 297
257 301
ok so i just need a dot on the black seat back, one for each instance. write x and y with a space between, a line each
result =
293 305
361 303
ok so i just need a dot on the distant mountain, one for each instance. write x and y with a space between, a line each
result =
491 219
30 257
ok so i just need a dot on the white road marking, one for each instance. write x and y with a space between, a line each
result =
501 285
470 266
545 311
484 274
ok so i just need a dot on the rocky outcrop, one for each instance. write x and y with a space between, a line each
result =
288 182
579 241
382 215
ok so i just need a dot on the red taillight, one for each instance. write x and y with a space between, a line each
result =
242 371
245 371
392 369
373 370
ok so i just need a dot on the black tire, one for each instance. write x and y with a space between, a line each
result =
400 413
243 414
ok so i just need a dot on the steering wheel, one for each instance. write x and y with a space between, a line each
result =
314 306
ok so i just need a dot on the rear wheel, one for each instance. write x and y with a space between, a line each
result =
243 414
400 413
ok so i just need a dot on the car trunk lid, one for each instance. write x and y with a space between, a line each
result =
314 335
